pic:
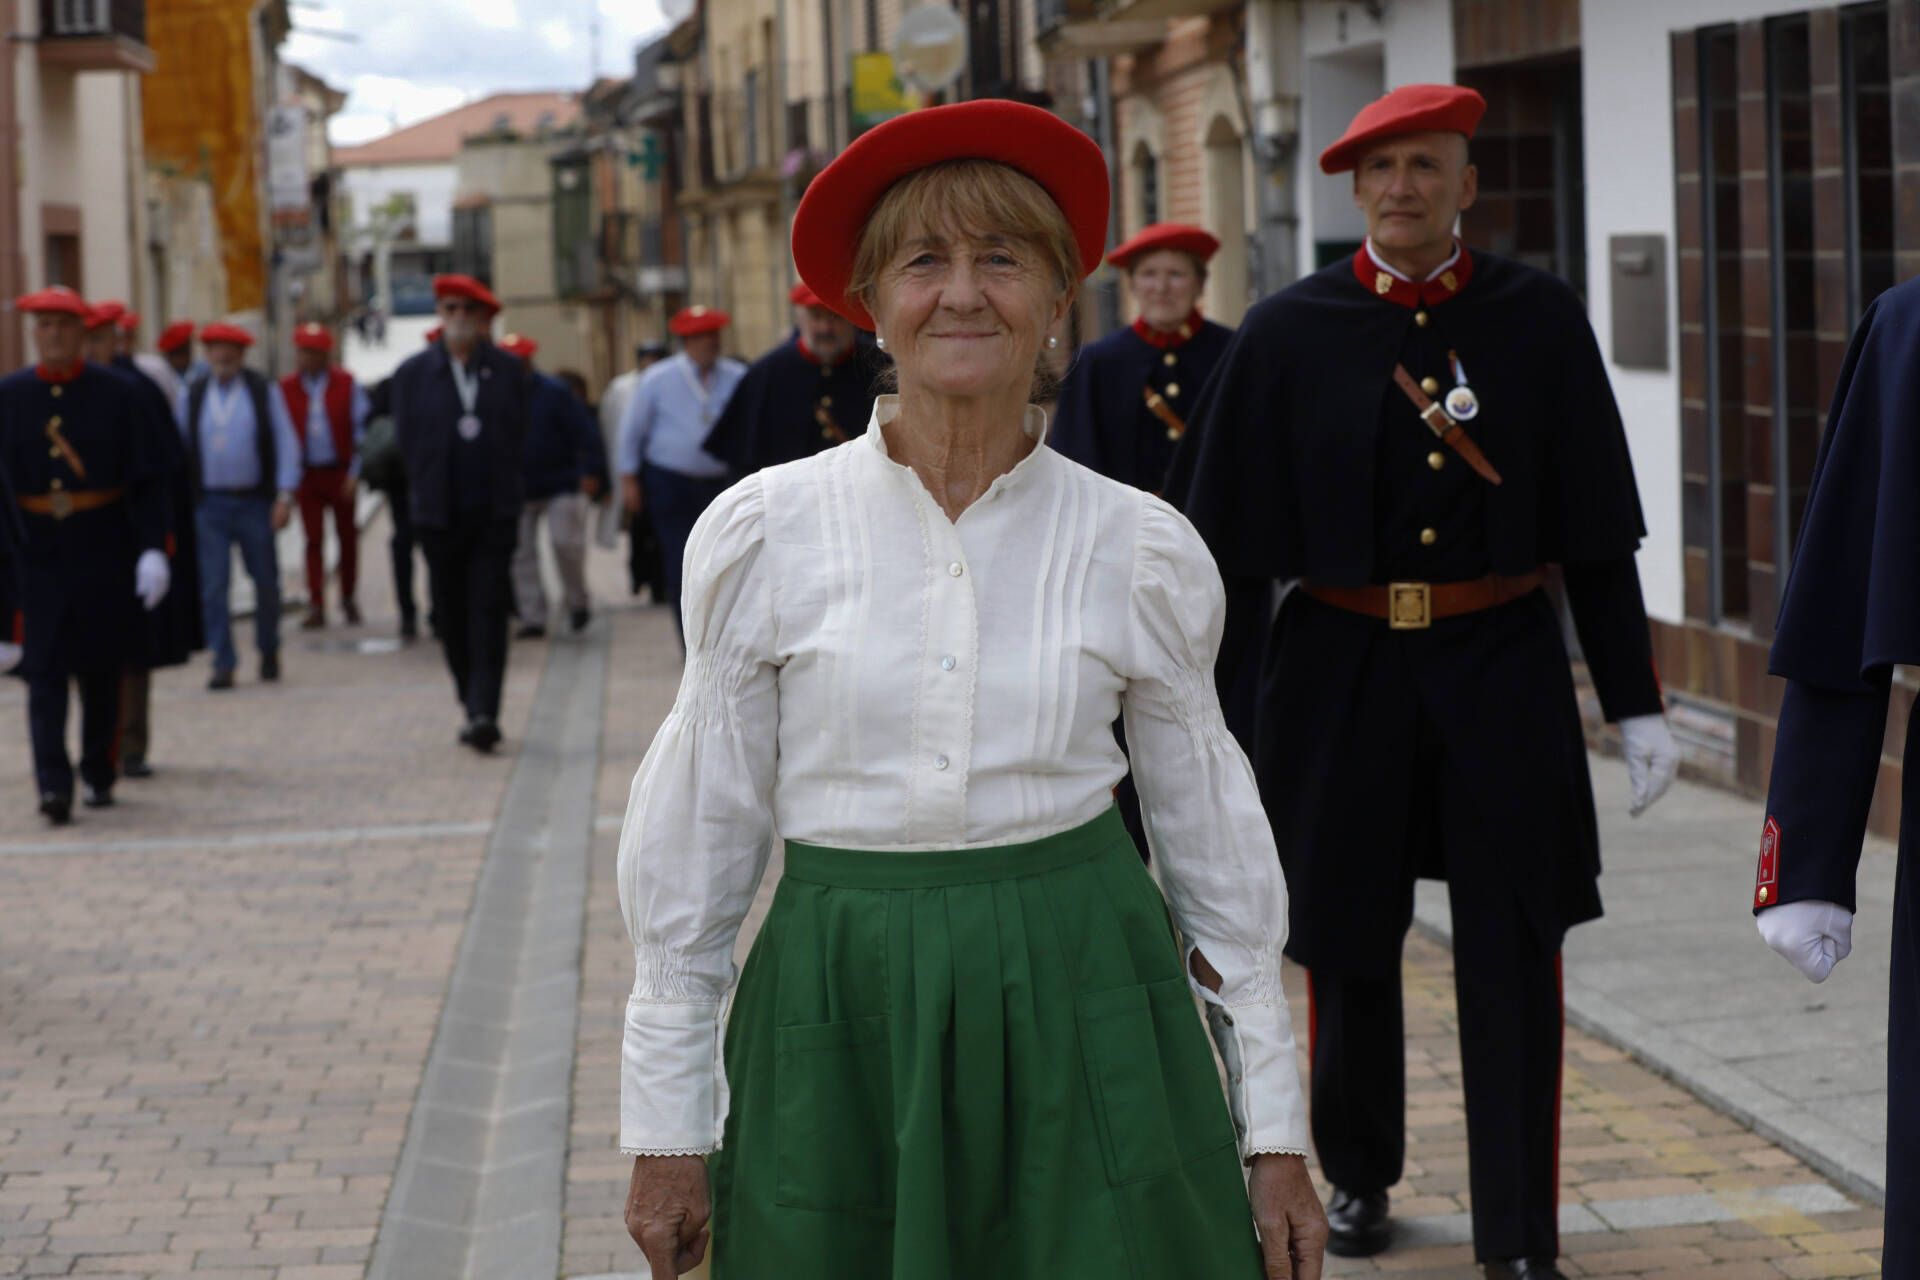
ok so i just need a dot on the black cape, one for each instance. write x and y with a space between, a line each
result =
788 407
1102 420
1851 612
174 632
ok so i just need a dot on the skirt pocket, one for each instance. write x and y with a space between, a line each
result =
1156 1094
833 1117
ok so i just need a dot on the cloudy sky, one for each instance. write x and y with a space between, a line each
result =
410 59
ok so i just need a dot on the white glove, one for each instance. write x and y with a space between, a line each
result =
1653 758
10 656
1814 936
151 578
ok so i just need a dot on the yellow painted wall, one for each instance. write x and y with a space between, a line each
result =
202 119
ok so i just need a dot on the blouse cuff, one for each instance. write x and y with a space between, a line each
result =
673 1091
1263 1076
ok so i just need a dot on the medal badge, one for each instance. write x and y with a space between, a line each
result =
469 427
1461 404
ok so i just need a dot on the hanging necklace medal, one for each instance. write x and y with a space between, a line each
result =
468 386
1462 404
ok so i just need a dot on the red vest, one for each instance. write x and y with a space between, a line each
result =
339 402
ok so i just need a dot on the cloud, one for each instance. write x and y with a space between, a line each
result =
411 59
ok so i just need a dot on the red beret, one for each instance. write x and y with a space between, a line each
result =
518 344
176 335
1177 236
1412 108
689 321
230 333
802 295
313 337
58 299
465 287
1066 163
130 321
102 314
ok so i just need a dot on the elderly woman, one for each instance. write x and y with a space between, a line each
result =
964 1043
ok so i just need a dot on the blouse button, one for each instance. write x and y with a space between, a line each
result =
956 568
939 762
1227 1018
947 663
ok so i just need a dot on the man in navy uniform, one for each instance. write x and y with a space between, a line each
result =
813 391
460 414
1411 437
244 458
1850 613
94 507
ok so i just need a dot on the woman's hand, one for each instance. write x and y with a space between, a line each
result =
667 1212
1287 1212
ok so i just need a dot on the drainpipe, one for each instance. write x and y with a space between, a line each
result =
12 259
1274 72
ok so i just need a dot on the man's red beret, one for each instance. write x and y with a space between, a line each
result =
1412 108
457 286
1066 163
130 321
175 336
102 314
57 298
231 333
689 321
313 337
518 344
802 295
1180 237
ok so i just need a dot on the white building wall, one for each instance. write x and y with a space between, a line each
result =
430 185
1627 104
104 173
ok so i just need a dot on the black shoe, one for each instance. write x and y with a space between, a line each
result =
98 798
56 808
270 666
220 680
1357 1224
409 627
481 733
532 631
352 612
580 618
135 767
1524 1269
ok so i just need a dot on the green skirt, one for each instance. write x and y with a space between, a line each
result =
977 1062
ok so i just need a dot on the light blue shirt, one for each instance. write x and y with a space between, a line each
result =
671 414
229 456
320 431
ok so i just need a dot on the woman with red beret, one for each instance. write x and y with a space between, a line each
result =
965 1040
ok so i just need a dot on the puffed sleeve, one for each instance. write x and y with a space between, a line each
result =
698 828
1207 830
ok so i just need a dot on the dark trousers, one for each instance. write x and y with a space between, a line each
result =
222 522
1511 1032
1902 1254
136 713
467 568
643 557
400 547
675 502
324 490
99 723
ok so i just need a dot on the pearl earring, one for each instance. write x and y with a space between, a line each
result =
879 342
1052 342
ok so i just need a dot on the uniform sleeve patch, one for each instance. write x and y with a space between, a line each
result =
1766 889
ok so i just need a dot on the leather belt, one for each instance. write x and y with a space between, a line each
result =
1443 426
62 503
1415 606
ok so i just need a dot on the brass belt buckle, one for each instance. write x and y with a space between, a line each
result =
60 504
1409 606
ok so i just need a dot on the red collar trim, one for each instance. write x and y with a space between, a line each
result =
1411 293
1161 340
812 357
57 376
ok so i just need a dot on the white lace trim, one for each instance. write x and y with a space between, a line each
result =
667 1151
1275 1151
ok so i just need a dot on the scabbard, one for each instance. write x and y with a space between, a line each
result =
1445 427
1157 406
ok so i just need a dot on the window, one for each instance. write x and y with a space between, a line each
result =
1146 184
473 242
1725 359
576 268
63 260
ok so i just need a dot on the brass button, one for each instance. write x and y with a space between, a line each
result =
57 391
1436 460
56 483
1764 894
1169 360
1428 537
54 421
1173 389
826 402
1420 318
53 452
1430 385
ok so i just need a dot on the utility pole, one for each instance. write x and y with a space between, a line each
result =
593 41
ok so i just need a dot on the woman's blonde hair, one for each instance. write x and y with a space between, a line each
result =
973 198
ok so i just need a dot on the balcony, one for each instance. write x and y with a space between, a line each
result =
95 35
1161 10
1081 28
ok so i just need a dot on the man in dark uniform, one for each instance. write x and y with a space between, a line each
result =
169 635
813 391
460 413
1847 618
1417 715
94 508
566 470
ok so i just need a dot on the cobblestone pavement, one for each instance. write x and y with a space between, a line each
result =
216 1002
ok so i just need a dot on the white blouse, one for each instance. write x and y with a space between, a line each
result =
863 672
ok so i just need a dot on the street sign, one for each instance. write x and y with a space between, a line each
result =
930 48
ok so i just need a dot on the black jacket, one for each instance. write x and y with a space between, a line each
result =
426 417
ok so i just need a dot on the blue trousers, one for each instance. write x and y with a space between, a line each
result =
675 502
224 521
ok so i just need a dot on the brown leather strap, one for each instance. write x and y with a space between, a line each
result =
1415 605
1157 406
66 450
1451 433
69 502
